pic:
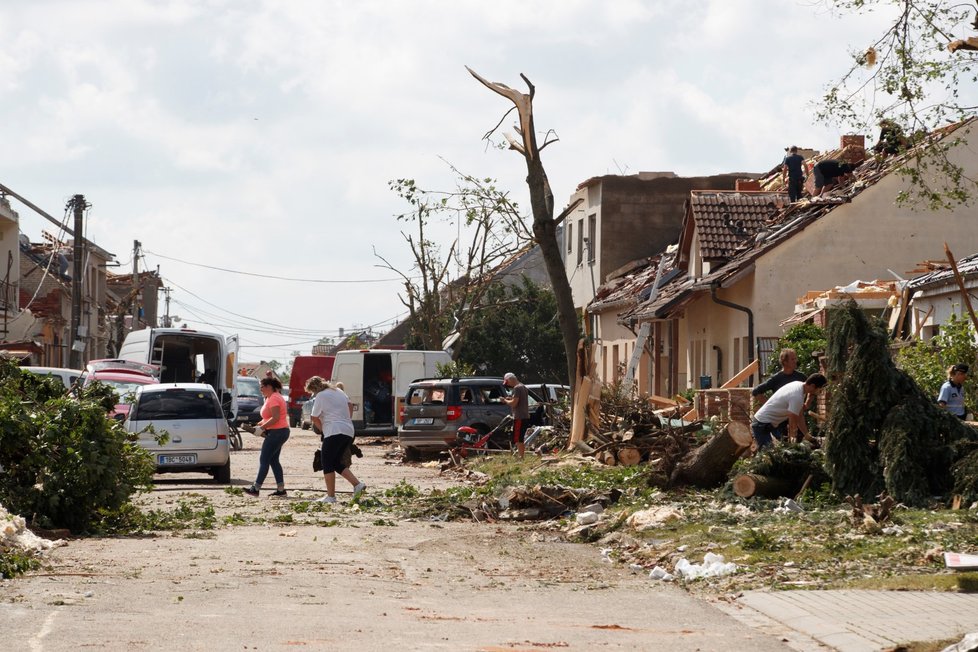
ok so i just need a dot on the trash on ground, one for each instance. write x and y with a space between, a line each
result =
713 566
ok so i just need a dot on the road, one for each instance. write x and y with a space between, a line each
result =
287 577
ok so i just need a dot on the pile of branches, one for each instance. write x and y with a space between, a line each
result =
884 431
783 470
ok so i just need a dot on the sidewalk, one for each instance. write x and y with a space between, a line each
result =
856 621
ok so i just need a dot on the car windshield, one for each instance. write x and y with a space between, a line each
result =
248 387
181 404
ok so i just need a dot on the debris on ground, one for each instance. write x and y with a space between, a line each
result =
648 519
15 535
540 502
713 566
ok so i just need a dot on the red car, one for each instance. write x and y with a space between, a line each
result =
124 376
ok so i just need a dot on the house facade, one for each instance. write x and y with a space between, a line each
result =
724 305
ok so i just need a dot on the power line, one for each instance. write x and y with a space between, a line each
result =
277 278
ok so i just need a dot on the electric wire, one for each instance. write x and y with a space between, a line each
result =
277 278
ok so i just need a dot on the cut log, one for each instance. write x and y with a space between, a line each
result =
607 458
578 415
751 484
629 456
709 464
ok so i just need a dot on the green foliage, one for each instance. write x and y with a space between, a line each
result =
909 76
757 539
454 369
885 432
789 461
927 363
191 512
14 562
520 334
65 462
805 339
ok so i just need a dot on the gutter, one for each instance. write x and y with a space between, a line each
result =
750 319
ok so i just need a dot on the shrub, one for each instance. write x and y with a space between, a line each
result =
64 462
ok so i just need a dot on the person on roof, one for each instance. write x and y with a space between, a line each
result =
793 173
892 140
829 173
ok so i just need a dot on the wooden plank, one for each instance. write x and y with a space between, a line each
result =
964 291
742 375
662 400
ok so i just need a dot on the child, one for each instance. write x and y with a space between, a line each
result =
951 397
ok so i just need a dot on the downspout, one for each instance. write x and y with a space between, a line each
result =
750 319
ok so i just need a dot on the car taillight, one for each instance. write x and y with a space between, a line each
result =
401 414
453 412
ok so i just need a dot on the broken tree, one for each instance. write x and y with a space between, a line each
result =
884 432
542 205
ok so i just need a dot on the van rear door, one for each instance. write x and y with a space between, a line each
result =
230 373
348 369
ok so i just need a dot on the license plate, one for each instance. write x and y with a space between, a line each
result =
424 421
178 459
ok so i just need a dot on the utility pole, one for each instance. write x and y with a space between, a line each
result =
77 202
166 317
135 284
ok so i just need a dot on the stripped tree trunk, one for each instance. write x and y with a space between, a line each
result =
709 464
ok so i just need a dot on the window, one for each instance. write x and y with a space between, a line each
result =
570 236
592 243
180 404
580 242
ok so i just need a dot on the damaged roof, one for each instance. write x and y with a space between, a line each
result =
724 220
785 224
943 274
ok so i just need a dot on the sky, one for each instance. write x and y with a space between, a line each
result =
242 139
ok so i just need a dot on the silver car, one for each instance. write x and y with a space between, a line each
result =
197 430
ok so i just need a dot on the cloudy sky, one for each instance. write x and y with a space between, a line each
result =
259 136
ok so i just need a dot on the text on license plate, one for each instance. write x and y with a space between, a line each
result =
178 459
424 421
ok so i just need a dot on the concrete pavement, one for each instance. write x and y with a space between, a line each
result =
856 621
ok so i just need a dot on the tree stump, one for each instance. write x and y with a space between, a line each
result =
629 456
708 465
751 484
607 458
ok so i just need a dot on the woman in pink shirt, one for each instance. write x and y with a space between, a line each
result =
275 422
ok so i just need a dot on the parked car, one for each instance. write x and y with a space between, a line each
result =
305 367
435 408
123 376
67 376
250 400
197 428
556 397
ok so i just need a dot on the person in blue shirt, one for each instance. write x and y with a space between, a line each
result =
793 172
951 397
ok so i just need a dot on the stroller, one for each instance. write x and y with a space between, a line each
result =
469 440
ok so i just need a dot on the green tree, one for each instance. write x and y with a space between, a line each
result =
65 463
916 75
517 332
442 286
927 362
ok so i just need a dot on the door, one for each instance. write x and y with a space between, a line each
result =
348 369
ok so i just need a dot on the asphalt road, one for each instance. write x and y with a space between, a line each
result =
341 578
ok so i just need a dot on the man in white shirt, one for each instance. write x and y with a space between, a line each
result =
786 404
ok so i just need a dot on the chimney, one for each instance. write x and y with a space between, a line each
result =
853 149
747 184
853 141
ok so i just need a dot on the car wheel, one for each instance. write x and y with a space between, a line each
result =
412 454
222 474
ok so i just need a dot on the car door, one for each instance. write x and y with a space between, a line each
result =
231 373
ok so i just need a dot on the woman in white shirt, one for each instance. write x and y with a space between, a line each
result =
332 413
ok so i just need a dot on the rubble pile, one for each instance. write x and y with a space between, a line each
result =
15 535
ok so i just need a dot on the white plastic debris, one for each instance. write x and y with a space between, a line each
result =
597 508
893 530
788 506
586 518
636 568
713 566
647 519
14 534
659 573
967 644
606 555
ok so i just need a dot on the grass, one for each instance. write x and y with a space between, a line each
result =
16 562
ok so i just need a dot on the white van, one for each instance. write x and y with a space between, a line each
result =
377 379
188 356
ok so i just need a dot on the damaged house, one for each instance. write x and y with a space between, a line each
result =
744 257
